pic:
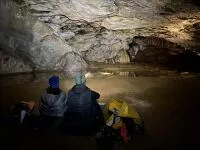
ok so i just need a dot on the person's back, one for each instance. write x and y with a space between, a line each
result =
83 111
53 102
53 105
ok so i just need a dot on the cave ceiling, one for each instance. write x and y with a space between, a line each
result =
64 34
173 20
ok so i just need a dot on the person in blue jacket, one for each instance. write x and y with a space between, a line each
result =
83 112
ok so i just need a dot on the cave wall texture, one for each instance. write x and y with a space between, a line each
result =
69 34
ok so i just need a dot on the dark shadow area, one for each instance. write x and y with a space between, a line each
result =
26 137
161 52
195 32
186 62
171 121
183 62
195 2
171 7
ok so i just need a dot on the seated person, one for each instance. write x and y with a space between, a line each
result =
53 105
83 113
22 109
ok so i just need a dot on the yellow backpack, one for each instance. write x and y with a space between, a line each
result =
120 109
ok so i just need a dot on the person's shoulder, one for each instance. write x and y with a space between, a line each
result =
63 93
95 94
93 91
73 88
86 87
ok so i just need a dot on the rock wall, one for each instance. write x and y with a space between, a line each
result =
9 64
65 34
81 22
23 36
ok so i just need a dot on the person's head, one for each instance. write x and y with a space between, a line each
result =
80 78
54 82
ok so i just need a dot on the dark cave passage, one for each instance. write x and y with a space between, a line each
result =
160 52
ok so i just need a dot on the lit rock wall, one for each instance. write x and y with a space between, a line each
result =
25 37
56 34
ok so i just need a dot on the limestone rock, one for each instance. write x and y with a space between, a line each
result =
71 63
26 37
9 64
122 57
91 10
161 18
95 30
